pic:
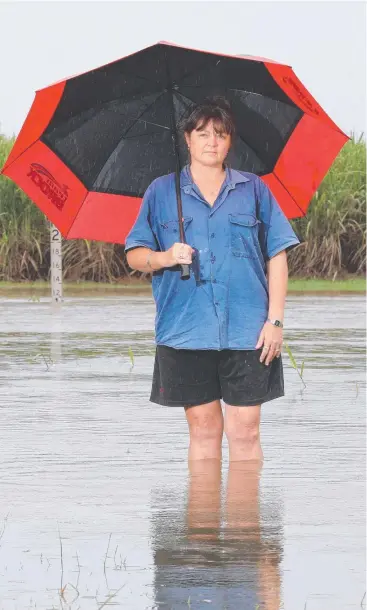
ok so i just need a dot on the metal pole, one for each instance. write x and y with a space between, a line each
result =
56 265
185 269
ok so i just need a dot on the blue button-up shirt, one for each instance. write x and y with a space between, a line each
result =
224 304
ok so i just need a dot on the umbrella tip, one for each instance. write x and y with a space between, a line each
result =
165 42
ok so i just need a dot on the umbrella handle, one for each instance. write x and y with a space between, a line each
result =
185 272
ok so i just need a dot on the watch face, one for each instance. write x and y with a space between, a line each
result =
277 323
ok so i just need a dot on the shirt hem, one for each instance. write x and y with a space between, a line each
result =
197 347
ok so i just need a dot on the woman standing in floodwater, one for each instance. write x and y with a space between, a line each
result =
219 334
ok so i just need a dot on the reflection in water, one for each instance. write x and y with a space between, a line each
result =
227 557
82 448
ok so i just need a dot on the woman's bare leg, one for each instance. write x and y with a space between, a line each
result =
206 431
242 429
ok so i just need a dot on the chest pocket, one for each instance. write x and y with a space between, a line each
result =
244 230
170 232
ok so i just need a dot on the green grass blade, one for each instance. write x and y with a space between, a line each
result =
291 357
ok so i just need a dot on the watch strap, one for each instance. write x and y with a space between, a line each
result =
277 323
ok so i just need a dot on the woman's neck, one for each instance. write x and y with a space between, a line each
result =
202 173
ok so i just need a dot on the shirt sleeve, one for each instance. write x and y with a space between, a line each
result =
142 232
276 233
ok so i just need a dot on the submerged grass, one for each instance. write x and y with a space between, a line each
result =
39 288
349 284
333 234
294 363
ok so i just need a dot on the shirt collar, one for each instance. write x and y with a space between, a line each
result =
232 178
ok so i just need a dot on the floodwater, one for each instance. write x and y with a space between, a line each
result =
96 496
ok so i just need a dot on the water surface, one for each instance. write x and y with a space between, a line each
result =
95 490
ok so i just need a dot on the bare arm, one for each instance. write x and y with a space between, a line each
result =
271 337
138 257
277 268
146 260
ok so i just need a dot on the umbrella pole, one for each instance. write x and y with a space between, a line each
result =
56 264
185 269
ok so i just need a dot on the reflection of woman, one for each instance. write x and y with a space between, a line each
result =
231 561
218 334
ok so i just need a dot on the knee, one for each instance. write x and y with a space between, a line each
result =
206 427
246 433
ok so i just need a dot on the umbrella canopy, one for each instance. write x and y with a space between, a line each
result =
91 144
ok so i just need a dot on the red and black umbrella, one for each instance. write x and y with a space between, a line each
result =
91 144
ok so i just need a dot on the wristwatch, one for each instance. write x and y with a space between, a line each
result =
275 323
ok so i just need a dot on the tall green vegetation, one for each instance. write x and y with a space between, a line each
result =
22 228
333 234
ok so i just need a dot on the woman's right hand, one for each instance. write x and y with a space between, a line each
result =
178 254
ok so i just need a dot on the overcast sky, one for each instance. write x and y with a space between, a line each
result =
324 42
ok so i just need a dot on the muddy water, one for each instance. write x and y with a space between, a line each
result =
96 496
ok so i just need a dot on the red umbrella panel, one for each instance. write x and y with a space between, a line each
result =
92 144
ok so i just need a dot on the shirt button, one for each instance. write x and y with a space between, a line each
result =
212 235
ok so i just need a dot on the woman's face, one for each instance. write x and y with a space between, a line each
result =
208 145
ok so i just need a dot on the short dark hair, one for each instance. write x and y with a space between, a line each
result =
216 108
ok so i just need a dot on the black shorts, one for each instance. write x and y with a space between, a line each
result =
184 377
